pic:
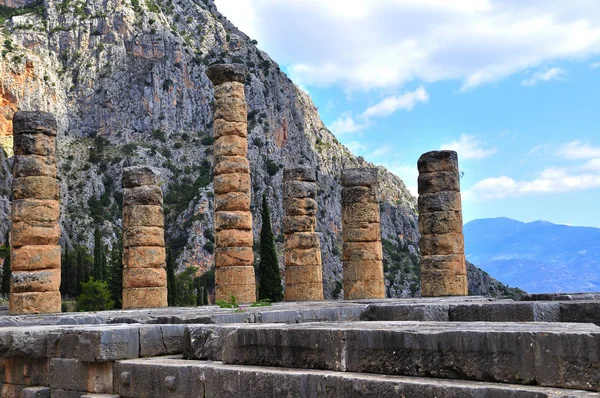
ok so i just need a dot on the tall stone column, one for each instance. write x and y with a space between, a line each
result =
443 266
234 258
144 260
361 230
35 253
303 267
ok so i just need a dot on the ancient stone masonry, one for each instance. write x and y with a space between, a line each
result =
303 268
234 258
363 253
35 254
144 274
443 266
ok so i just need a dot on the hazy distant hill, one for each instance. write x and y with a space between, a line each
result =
537 256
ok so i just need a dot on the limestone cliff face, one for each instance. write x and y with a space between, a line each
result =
126 80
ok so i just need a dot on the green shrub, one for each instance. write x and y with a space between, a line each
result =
94 296
272 167
207 140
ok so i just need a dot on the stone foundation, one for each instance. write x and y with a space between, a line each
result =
443 265
35 254
303 267
234 258
363 253
144 258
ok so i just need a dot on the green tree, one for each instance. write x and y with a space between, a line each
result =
65 272
5 253
186 289
172 293
269 279
94 296
203 284
84 264
99 257
115 273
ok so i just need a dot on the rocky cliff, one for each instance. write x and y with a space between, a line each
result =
126 80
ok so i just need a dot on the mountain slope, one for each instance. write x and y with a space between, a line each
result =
537 256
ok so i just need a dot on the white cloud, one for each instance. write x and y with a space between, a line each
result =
545 76
579 150
346 124
468 147
408 174
387 43
592 165
396 102
595 65
356 147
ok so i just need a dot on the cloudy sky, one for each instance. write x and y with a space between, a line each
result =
513 86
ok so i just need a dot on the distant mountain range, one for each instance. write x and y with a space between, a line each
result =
538 256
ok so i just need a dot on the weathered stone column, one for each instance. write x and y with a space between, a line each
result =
144 260
361 230
303 267
234 258
35 255
443 266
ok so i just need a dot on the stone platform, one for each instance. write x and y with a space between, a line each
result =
444 347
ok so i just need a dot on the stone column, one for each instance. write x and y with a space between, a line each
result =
234 258
361 230
303 267
144 260
35 254
443 266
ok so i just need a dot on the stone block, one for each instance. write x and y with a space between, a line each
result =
439 181
36 392
299 189
34 166
144 277
137 176
300 257
230 90
362 232
440 201
76 375
231 145
236 182
222 128
233 201
35 303
364 289
35 211
293 224
439 283
100 396
47 280
24 234
145 297
440 222
144 257
233 220
440 244
224 73
24 371
234 238
364 177
304 291
34 122
434 161
406 312
143 236
505 312
143 216
11 391
231 165
451 263
300 207
360 194
158 340
229 276
231 110
302 240
300 173
303 274
244 294
360 212
35 188
361 251
234 257
30 258
144 195
363 270
34 144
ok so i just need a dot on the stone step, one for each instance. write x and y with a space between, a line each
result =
173 377
562 355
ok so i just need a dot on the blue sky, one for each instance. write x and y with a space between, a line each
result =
514 89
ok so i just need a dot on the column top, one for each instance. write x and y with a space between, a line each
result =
299 173
137 176
223 73
26 122
438 161
366 177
